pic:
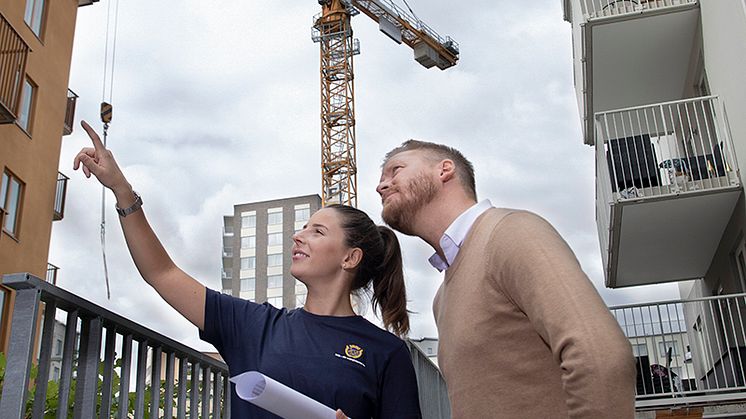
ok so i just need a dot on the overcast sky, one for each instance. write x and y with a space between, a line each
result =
217 103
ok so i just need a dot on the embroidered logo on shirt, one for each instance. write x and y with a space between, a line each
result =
353 351
352 354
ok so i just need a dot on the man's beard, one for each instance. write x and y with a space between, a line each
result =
400 215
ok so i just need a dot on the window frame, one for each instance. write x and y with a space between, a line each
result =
272 239
273 278
245 221
274 256
5 196
37 17
247 259
27 108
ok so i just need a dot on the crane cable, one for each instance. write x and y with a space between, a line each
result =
106 113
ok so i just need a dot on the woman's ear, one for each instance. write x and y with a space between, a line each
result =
353 258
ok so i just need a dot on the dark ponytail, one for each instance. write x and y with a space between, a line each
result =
389 291
380 267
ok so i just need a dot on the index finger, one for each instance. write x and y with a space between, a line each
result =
97 144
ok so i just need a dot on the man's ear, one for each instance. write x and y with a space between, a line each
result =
447 170
353 258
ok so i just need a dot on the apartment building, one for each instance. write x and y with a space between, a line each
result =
36 111
257 250
661 94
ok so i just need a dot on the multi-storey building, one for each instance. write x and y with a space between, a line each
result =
36 110
661 91
257 250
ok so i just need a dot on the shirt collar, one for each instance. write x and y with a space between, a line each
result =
455 234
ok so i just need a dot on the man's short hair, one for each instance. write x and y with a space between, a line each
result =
464 168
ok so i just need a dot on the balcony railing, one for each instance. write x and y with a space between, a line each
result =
52 273
604 8
687 351
59 196
657 166
664 149
98 366
72 99
13 55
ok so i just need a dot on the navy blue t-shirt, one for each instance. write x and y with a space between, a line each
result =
343 362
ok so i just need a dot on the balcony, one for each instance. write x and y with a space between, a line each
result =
600 9
687 352
629 53
667 182
111 354
59 196
13 55
52 273
72 99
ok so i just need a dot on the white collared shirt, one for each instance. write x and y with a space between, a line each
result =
455 234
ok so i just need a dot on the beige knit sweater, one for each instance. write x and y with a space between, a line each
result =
523 332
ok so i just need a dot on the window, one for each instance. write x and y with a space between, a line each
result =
300 300
248 221
227 251
248 284
274 260
275 301
11 197
58 347
34 15
274 218
663 348
274 239
248 263
274 281
56 374
640 349
302 214
248 242
228 230
28 93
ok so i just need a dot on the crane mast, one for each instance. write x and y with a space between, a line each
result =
332 30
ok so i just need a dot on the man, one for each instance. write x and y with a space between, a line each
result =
523 332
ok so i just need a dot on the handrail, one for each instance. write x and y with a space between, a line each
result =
103 333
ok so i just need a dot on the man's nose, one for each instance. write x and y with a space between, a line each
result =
382 186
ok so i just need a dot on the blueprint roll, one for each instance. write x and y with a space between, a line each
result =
283 401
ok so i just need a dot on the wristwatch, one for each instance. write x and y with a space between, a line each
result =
134 207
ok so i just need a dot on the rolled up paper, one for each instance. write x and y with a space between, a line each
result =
283 401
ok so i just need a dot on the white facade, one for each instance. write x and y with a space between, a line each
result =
661 91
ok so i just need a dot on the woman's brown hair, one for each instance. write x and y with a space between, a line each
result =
380 266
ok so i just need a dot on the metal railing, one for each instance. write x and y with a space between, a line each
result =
13 55
604 8
433 392
687 351
664 149
72 99
59 196
96 371
52 273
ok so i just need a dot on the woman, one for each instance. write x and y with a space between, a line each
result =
322 350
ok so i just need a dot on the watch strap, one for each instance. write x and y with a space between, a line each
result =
123 212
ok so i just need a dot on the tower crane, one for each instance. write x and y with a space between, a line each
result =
332 30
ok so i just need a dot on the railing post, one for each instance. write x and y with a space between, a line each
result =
20 351
42 378
87 378
106 385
